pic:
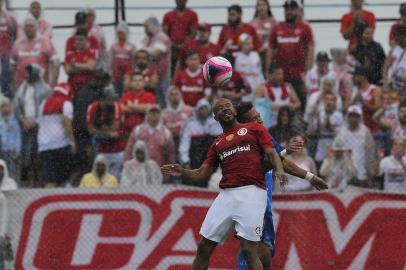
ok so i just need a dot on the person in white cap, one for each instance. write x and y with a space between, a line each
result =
55 136
358 138
338 168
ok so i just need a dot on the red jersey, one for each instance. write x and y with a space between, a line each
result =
292 42
121 55
192 85
134 119
78 80
180 24
92 44
239 152
206 51
95 112
346 20
233 33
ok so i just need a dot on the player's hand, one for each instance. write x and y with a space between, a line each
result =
296 145
282 178
172 169
318 183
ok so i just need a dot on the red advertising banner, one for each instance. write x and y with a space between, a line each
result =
158 228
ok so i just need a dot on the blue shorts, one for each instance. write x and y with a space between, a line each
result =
268 232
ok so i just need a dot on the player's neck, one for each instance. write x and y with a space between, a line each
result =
228 125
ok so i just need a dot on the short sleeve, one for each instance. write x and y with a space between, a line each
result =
212 158
309 35
278 147
263 137
272 38
392 33
194 20
165 21
345 23
68 109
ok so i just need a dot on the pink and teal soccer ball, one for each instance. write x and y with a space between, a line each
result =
217 71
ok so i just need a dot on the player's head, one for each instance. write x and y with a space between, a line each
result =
234 15
357 4
224 112
30 27
322 62
360 76
192 60
247 113
122 31
263 8
203 32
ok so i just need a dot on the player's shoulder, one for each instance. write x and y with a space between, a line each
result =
252 126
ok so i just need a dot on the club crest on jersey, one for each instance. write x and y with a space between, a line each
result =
230 137
242 131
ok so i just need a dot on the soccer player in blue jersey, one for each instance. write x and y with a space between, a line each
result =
266 249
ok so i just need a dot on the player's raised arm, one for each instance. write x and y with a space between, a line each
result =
198 175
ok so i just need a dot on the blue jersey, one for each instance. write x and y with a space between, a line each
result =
268 232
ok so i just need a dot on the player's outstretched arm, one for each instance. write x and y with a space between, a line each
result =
276 163
201 174
292 169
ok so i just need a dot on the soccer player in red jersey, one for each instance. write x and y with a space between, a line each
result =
243 197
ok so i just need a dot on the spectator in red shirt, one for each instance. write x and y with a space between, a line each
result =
8 34
34 49
121 56
80 64
92 43
179 24
201 44
136 101
105 124
292 48
228 38
395 26
190 81
143 65
351 21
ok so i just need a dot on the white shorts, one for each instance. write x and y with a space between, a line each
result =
242 207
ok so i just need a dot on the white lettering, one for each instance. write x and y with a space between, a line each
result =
288 39
235 150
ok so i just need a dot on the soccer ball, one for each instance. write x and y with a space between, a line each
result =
217 71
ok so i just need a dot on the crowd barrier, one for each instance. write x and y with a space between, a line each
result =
157 227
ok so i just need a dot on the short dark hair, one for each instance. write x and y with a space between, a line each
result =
242 109
236 8
402 104
81 32
190 53
273 66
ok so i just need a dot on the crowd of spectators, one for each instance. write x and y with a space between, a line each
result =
125 111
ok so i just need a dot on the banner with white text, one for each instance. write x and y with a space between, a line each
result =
157 227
